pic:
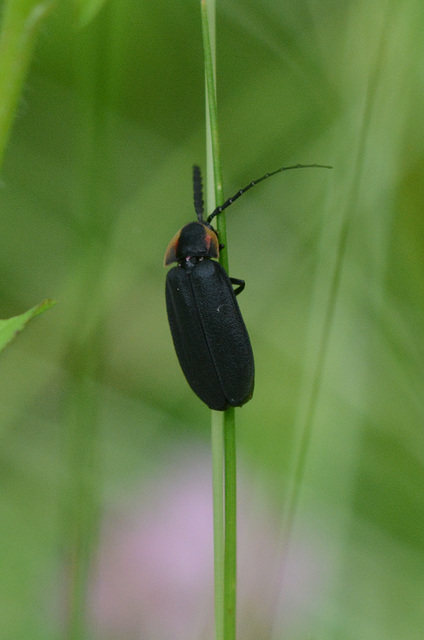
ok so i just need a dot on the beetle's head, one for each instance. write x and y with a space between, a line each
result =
195 239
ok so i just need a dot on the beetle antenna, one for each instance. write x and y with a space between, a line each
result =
227 203
198 192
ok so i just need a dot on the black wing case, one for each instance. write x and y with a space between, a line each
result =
209 334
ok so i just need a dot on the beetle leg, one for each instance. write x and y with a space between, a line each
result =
241 284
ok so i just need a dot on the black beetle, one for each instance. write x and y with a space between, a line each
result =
209 334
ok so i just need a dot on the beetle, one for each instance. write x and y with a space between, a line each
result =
208 331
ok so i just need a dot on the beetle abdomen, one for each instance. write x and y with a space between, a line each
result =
209 334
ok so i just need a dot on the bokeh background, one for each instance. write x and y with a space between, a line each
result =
104 448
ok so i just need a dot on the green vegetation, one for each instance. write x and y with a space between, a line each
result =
95 413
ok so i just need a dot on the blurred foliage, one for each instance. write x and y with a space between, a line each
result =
97 179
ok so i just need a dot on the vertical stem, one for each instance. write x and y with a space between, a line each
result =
212 127
218 519
230 536
223 423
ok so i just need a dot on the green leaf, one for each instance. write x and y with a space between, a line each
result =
87 10
11 327
20 24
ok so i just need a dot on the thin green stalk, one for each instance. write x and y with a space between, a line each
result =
225 522
218 518
213 158
230 560
223 423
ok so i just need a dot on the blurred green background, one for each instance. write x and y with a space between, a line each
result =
95 182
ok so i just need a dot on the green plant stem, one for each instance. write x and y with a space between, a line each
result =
223 423
218 518
20 23
230 560
213 158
